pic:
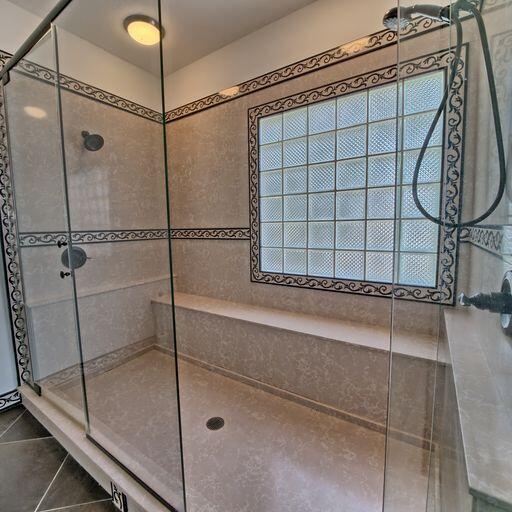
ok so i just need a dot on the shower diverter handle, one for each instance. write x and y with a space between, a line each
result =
495 302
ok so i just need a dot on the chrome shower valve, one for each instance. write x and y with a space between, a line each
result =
495 302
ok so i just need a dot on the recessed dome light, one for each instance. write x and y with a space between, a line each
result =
143 29
35 112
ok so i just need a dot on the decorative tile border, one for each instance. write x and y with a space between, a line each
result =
90 92
48 239
490 239
445 291
11 254
496 240
10 399
211 234
67 83
341 53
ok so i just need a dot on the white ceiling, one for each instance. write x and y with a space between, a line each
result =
194 28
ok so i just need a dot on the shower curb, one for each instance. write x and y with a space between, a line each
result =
101 467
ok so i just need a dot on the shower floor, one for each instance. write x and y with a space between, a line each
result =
272 454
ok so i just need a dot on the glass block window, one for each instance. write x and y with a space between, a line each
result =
335 195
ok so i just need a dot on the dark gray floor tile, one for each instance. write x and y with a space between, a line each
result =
7 417
72 486
102 506
26 427
26 471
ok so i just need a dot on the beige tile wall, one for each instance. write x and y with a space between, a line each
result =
208 162
120 187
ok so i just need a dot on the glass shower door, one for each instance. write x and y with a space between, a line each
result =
425 257
39 189
115 153
459 400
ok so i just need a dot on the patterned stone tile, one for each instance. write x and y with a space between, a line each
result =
272 454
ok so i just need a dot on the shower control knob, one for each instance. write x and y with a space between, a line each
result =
64 274
61 243
495 302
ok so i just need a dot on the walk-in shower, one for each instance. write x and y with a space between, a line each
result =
235 236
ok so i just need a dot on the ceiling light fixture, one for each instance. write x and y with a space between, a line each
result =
143 29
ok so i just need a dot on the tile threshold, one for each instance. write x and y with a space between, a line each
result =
70 434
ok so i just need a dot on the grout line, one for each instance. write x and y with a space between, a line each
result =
69 507
14 421
51 483
25 440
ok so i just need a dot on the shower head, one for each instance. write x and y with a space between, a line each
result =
395 22
399 17
92 141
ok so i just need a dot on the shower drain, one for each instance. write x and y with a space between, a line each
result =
215 423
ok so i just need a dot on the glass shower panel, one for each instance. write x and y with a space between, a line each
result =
423 259
459 403
40 209
283 374
114 148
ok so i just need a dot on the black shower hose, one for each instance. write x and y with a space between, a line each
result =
495 113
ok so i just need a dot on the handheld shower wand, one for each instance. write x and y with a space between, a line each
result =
398 18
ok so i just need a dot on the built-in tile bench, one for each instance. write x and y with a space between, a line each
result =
333 365
476 440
